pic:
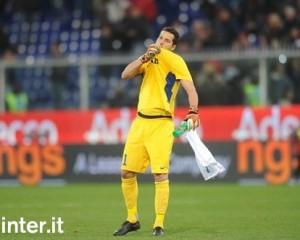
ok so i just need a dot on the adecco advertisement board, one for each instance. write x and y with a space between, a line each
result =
252 144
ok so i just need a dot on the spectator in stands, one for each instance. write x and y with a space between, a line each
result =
242 42
233 78
107 38
225 28
210 87
134 29
116 10
274 31
4 43
10 56
16 100
124 95
253 10
280 85
201 36
249 36
58 78
99 8
252 91
293 38
295 79
291 21
147 7
109 43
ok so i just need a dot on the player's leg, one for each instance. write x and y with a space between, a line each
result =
159 147
161 202
130 193
135 160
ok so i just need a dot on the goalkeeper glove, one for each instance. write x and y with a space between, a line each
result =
150 53
192 118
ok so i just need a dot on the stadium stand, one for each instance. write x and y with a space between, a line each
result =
102 27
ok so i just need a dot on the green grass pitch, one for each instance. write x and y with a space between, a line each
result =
196 211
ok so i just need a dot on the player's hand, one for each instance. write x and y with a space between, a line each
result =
192 118
152 50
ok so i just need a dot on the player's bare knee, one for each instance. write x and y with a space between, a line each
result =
159 177
127 174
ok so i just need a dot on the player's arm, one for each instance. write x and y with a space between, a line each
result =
191 92
133 68
190 89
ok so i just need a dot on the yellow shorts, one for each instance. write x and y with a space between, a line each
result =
148 141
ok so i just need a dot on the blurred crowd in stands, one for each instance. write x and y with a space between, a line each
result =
58 28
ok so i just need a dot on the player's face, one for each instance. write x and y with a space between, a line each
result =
165 40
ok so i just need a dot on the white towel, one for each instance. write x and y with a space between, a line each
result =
208 165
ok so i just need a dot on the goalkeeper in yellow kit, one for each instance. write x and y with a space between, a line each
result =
150 138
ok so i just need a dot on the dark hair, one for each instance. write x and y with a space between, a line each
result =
174 32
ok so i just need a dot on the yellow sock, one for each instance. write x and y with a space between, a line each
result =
130 193
161 202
